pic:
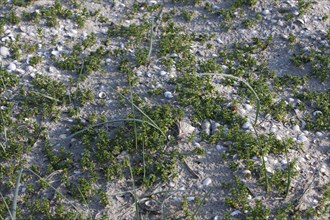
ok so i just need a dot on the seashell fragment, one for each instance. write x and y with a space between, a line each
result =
168 95
296 128
4 51
207 181
302 138
247 125
235 213
102 95
11 67
185 128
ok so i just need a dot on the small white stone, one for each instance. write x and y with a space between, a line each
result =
273 129
295 13
284 162
62 136
266 12
23 189
296 128
218 40
163 73
168 95
301 160
319 134
4 51
190 198
247 125
207 181
55 53
139 73
216 217
278 137
323 170
248 107
302 138
246 172
224 67
11 67
235 213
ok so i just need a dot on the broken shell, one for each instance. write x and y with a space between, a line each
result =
247 125
190 198
235 213
150 203
102 95
302 138
4 51
248 107
206 127
207 181
185 128
11 67
246 172
316 113
168 95
296 128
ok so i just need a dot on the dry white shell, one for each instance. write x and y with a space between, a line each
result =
247 125
150 203
168 95
207 181
185 128
102 95
11 67
163 73
4 51
235 213
302 138
296 128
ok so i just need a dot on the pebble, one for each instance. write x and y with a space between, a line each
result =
168 95
235 213
248 107
319 134
247 125
296 128
163 73
273 129
4 51
246 172
207 181
190 198
218 40
11 67
302 138
266 12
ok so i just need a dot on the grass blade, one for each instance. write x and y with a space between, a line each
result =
14 207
